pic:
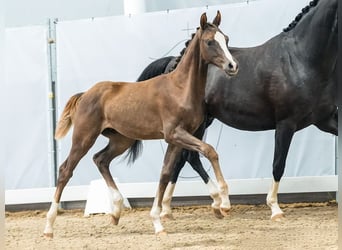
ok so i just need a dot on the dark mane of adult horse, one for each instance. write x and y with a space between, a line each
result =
286 84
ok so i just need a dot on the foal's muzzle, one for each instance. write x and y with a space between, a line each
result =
232 68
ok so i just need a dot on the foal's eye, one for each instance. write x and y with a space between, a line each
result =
211 42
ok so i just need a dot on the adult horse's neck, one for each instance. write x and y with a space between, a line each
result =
316 36
192 69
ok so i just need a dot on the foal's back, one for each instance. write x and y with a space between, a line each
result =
119 103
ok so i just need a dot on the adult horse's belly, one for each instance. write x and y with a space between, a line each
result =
240 101
243 117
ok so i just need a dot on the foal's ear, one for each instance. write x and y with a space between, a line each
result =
203 20
217 19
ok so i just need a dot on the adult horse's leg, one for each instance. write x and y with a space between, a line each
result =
283 136
116 146
81 143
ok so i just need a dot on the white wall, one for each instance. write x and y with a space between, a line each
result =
33 12
25 147
89 51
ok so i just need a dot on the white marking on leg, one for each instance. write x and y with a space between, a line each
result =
155 215
166 204
219 37
224 194
116 202
214 194
272 200
50 218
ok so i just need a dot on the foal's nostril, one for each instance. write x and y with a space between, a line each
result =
233 67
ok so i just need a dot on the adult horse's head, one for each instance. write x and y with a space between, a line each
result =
214 45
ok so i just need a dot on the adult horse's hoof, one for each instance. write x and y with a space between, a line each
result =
224 211
217 213
277 217
162 233
48 235
166 217
115 220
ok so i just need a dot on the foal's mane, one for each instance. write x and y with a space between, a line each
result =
178 58
300 15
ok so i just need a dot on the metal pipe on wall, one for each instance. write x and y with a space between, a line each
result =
52 60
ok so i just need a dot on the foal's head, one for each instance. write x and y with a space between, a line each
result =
214 45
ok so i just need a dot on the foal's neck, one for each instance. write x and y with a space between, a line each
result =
191 71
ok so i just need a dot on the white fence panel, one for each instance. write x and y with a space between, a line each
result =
119 48
25 148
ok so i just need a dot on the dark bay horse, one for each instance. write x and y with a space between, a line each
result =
286 84
169 107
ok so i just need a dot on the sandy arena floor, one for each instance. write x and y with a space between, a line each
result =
306 226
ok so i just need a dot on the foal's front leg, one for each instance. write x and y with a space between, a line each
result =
193 158
170 158
182 138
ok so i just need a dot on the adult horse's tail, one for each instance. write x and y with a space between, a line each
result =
65 121
134 152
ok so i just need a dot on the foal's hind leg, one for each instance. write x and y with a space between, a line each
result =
116 146
80 146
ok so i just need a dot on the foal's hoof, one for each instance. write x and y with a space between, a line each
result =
162 233
166 217
224 211
217 213
115 220
48 235
277 217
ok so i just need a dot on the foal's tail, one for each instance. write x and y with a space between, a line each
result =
65 121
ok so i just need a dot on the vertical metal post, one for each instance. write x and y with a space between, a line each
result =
339 162
52 60
339 147
336 155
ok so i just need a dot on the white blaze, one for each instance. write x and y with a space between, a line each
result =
219 37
